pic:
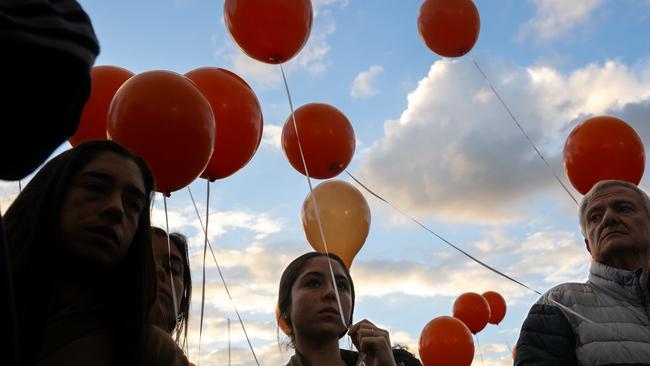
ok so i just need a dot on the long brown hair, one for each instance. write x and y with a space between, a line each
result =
291 274
33 233
182 318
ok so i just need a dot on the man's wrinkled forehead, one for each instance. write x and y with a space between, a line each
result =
616 194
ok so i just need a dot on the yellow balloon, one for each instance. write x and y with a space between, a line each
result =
344 215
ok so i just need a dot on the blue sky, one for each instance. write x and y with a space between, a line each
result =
432 139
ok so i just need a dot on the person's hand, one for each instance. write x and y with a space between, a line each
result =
374 342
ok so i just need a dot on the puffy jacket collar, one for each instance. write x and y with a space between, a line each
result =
631 286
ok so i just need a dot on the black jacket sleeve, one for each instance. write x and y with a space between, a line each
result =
546 339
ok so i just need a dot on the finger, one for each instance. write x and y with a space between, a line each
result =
362 323
371 332
375 346
374 336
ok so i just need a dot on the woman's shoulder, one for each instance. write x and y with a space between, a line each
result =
160 349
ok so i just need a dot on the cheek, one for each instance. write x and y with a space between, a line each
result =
178 286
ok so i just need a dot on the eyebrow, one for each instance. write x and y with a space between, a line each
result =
600 206
320 275
131 189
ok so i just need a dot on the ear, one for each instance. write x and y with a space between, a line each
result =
587 245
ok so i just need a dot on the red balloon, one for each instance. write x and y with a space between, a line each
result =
162 117
238 118
473 310
602 148
446 341
449 28
326 138
497 306
105 80
271 31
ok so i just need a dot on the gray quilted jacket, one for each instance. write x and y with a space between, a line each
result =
605 321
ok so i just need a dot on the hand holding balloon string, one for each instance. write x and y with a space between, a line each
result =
373 344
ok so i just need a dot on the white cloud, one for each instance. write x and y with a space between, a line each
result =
555 256
364 83
182 217
8 192
455 154
272 136
554 18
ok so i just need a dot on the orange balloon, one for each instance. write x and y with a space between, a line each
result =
602 148
271 31
281 323
105 80
344 215
162 117
446 341
473 310
497 306
238 118
326 137
449 28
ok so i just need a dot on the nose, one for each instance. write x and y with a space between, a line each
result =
113 207
610 217
329 292
162 274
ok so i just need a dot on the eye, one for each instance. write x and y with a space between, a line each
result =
134 205
176 271
594 217
625 208
173 270
342 285
313 283
93 186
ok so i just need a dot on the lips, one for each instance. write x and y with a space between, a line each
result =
106 232
329 310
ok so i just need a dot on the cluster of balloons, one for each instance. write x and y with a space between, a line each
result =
476 311
205 123
600 148
317 138
449 28
318 141
448 341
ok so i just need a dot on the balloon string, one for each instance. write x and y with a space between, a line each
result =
223 280
20 186
313 198
478 347
205 251
153 201
514 119
440 237
169 259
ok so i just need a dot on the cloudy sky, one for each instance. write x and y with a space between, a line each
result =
432 139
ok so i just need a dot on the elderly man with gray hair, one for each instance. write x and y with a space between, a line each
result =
605 321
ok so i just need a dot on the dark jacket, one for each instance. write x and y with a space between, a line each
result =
605 321
402 358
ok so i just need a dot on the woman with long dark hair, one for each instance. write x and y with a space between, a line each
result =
308 305
172 266
80 249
